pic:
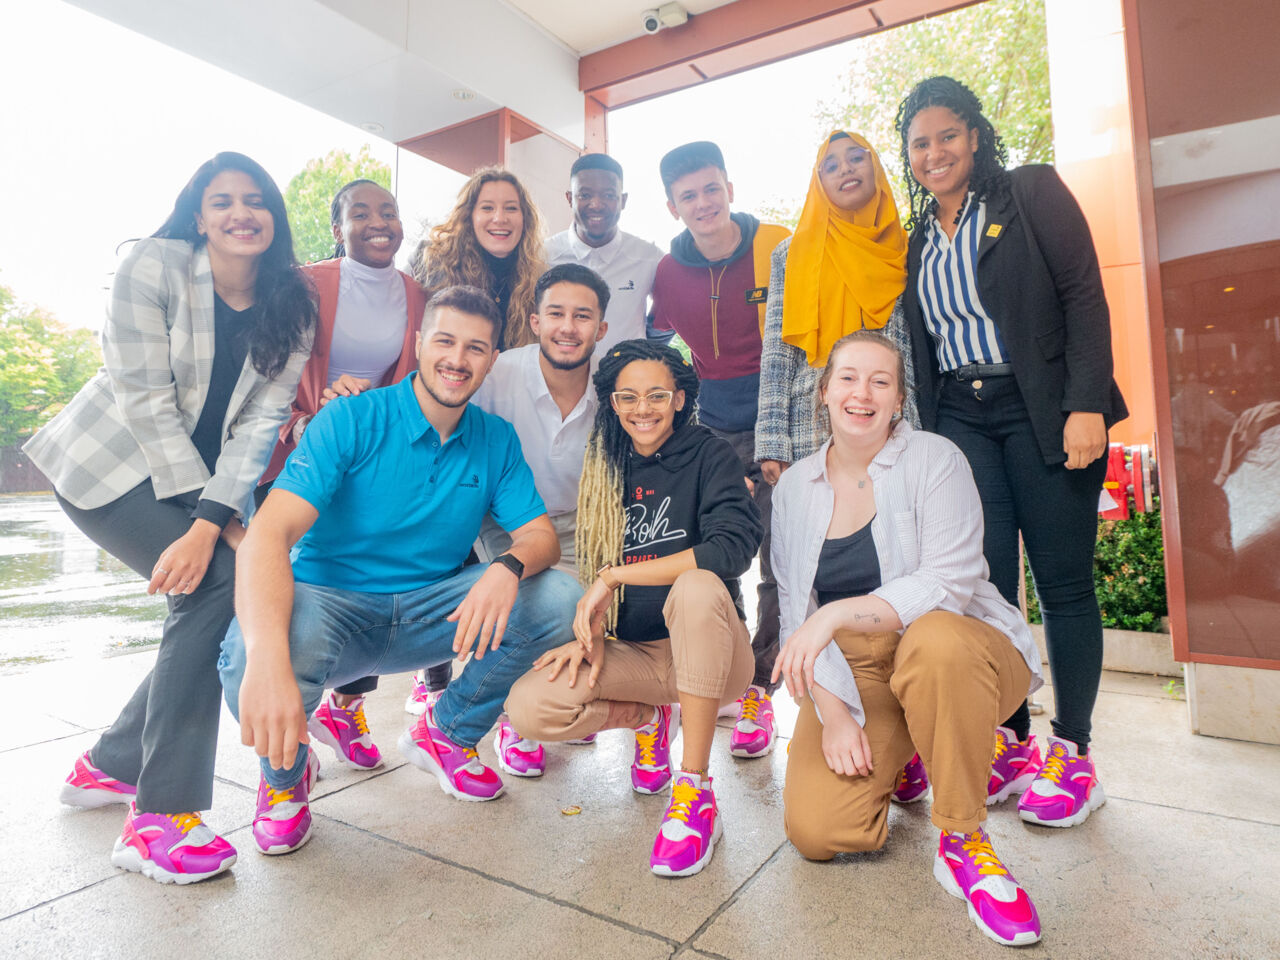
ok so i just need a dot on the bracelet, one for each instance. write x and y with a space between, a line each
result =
601 575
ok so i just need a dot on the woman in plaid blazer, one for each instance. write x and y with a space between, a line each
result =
208 328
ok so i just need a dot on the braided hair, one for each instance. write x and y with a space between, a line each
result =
989 176
602 516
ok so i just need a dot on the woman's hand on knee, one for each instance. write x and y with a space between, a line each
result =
588 620
799 653
845 746
182 565
571 655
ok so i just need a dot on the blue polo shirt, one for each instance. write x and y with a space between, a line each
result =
399 510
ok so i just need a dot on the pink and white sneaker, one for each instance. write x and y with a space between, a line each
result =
913 782
969 869
583 741
1013 765
171 847
346 732
1065 791
282 821
516 755
651 768
755 733
419 696
458 769
690 828
88 787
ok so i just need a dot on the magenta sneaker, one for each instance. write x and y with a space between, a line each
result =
754 734
583 741
690 828
346 732
419 696
171 848
1013 765
516 755
651 768
969 869
913 782
457 768
282 821
1065 791
89 787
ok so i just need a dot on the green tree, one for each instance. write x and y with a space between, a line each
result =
310 193
42 365
998 48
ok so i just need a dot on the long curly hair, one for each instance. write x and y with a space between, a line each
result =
450 254
286 300
989 177
602 515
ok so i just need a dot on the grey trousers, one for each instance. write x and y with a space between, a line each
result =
165 737
764 644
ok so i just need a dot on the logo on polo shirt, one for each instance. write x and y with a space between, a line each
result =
474 481
629 285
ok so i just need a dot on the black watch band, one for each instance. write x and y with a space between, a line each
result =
511 563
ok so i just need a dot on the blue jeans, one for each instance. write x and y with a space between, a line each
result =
336 636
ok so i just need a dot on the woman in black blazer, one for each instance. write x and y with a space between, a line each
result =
1012 355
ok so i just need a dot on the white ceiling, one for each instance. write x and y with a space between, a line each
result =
595 24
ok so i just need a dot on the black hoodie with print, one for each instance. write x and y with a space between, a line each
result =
690 493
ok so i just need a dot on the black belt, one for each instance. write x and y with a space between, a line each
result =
977 371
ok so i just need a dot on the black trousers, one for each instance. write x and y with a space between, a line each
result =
1056 512
165 738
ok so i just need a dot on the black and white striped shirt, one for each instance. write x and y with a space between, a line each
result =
948 287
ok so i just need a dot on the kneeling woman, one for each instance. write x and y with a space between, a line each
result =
896 633
665 528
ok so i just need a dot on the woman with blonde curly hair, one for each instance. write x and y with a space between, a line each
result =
492 240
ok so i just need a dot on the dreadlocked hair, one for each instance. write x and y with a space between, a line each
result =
989 177
602 513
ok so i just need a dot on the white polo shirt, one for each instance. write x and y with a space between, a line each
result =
627 265
553 446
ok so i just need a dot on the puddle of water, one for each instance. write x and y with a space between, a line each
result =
61 596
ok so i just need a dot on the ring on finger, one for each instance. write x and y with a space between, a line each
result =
161 570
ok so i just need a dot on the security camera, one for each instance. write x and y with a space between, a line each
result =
650 22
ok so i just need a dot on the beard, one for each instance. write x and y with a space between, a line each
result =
565 364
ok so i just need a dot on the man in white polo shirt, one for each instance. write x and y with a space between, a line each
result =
626 262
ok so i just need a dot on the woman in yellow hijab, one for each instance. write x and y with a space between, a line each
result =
844 269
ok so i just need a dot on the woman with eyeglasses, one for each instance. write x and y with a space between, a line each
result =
666 527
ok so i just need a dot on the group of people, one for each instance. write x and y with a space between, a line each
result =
500 460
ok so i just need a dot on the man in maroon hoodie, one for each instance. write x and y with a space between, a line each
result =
711 290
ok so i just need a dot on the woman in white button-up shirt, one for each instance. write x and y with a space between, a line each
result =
894 635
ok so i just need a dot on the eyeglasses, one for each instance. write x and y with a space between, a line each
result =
624 401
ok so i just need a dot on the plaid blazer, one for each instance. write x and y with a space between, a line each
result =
134 419
786 425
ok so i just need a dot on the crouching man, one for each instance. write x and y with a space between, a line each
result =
383 498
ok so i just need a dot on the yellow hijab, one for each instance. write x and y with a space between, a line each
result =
845 270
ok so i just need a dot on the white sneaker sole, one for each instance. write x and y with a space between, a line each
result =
502 763
1096 799
325 736
127 857
283 848
410 750
717 832
1015 787
942 873
89 799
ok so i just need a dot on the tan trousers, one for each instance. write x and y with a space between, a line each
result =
708 654
943 686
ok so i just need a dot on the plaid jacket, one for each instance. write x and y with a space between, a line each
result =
786 426
134 419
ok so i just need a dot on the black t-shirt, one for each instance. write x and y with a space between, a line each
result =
847 567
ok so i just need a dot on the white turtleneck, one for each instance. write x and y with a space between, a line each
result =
368 328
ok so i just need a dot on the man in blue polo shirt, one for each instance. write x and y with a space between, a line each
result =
383 498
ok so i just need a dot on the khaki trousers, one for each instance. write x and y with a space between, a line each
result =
708 654
943 686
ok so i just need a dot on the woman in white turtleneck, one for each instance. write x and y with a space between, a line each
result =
370 313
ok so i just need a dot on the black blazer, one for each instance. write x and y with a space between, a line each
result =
1039 280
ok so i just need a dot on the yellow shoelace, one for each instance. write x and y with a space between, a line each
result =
275 796
1054 765
979 850
361 723
1002 746
751 707
185 822
648 743
683 796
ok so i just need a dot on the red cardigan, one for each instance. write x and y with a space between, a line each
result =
315 375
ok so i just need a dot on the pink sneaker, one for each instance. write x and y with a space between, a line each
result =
583 741
1065 791
651 768
346 732
419 696
171 848
913 782
969 869
457 768
516 755
282 821
89 787
690 828
1013 765
754 734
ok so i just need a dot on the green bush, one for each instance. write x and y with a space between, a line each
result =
1128 570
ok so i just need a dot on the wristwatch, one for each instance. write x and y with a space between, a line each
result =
511 563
